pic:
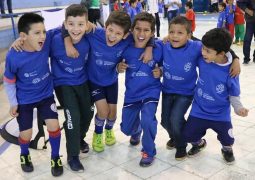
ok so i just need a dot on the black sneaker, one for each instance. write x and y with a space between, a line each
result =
197 148
56 166
228 156
180 154
170 144
26 163
135 140
84 146
75 164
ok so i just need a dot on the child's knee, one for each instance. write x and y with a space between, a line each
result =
52 124
26 134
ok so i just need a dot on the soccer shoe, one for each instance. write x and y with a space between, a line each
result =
56 166
26 163
97 142
109 137
146 160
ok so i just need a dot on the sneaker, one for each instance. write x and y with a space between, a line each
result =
84 146
109 137
146 160
228 156
56 166
135 140
180 154
197 148
97 142
75 164
170 144
26 163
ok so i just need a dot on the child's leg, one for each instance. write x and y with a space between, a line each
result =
231 28
149 127
167 102
178 111
236 33
242 32
225 136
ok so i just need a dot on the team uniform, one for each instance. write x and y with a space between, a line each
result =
222 19
179 81
34 86
211 105
132 12
141 97
71 86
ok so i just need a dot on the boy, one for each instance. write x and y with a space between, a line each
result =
239 26
230 12
214 92
29 85
71 84
190 15
142 88
180 58
222 16
132 11
107 46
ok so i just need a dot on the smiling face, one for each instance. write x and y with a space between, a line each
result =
178 35
142 33
210 55
76 27
114 34
34 40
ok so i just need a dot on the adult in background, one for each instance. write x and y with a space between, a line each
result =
153 9
173 7
248 6
9 5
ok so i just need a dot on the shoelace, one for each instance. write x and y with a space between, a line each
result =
99 139
108 134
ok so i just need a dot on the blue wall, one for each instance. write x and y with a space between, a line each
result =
21 4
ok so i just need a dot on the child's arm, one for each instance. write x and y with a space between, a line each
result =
235 67
238 107
147 55
10 89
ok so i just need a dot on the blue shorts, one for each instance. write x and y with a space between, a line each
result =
110 93
46 109
195 129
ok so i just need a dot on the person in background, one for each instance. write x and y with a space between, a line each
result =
9 5
191 16
249 8
153 9
222 16
132 11
239 26
116 6
139 6
230 12
173 7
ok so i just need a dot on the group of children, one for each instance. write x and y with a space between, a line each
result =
100 57
231 17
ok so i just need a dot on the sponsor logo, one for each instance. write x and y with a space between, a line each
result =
220 88
230 133
36 80
96 92
187 67
53 107
69 120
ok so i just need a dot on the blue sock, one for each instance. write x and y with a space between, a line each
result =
24 145
99 125
54 138
109 124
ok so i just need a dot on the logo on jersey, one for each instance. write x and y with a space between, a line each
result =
167 66
36 80
99 62
151 63
199 92
30 74
68 69
53 107
187 67
119 53
167 75
139 74
219 88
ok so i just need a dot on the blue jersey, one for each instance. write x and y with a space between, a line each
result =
66 70
214 86
179 68
139 81
139 7
103 58
126 6
31 72
230 16
221 19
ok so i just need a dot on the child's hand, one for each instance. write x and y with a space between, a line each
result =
165 39
122 66
90 27
235 68
70 50
243 112
147 55
18 45
13 111
157 71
